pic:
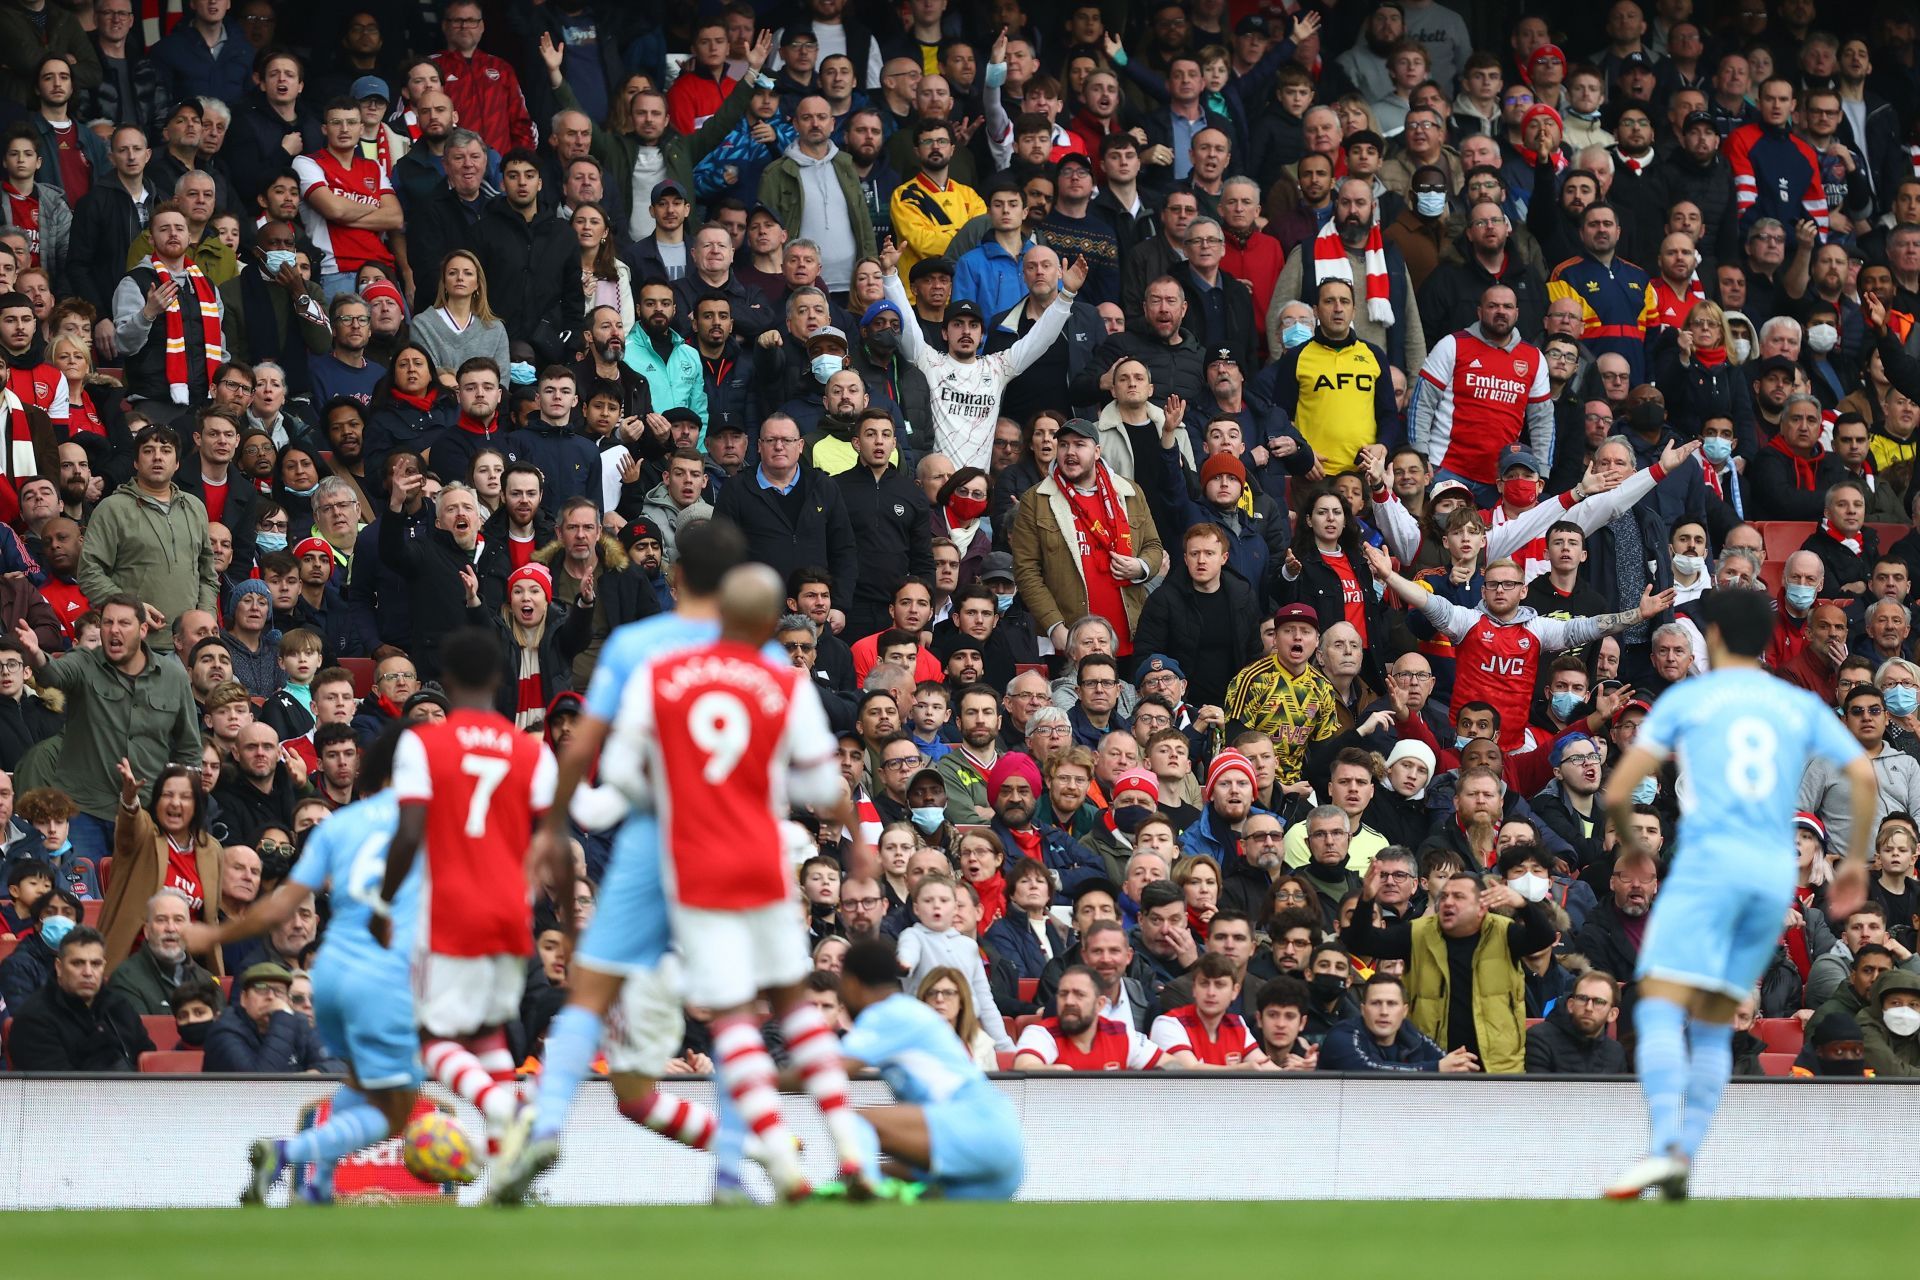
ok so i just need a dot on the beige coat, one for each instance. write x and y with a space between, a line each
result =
1047 566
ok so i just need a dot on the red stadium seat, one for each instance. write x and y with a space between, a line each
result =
1889 533
1782 1035
1776 1064
1774 574
1003 1060
1783 537
1021 668
7 943
1534 1022
176 1061
362 669
105 868
160 1029
1024 1021
226 986
90 912
1029 989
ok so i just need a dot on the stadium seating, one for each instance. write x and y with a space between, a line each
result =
1003 1060
1782 1035
7 944
178 1061
1776 1064
362 669
1774 574
1029 989
1888 534
161 1029
1022 1022
1783 537
105 869
90 910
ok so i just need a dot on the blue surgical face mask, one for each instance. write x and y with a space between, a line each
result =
1800 596
270 541
307 492
1460 740
278 260
54 928
1131 817
1565 704
1717 448
928 818
1645 791
1901 699
1295 334
825 367
1002 603
1430 204
521 374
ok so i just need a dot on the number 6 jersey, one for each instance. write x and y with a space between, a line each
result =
484 783
720 741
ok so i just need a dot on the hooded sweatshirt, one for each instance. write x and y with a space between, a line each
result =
823 215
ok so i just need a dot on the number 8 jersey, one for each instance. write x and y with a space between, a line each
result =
484 784
720 741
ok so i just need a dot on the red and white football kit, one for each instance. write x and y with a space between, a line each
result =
1230 1045
343 247
726 740
1116 1047
484 784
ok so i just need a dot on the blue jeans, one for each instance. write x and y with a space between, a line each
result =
91 836
334 283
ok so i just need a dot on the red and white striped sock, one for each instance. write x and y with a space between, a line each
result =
458 1069
747 1072
814 1051
689 1123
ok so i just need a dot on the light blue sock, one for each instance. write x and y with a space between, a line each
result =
729 1139
1707 1077
572 1040
1661 1057
352 1123
869 1141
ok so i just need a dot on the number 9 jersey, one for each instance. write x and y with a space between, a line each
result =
484 783
720 741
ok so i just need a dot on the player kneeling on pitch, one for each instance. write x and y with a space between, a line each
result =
950 1127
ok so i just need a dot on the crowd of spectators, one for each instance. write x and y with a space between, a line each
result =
1241 476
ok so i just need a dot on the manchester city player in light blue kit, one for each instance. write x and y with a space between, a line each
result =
362 992
1741 740
950 1126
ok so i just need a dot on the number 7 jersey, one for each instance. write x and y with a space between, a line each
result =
720 741
484 783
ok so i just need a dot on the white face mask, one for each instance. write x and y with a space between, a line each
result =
1740 349
1530 886
1689 565
1902 1021
1822 337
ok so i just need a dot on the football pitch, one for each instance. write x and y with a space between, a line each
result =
1482 1239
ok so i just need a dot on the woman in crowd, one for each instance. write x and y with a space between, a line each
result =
161 845
948 993
960 513
460 325
605 281
409 410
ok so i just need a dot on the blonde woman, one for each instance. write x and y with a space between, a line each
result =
605 281
73 357
1699 374
867 287
946 991
1199 879
460 325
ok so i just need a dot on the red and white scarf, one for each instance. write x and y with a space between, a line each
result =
1330 263
1851 541
159 17
210 313
1108 530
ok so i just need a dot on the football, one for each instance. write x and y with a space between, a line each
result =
436 1149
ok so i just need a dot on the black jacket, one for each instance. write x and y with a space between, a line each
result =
252 149
103 101
1556 1047
105 225
248 809
892 532
567 632
1603 941
243 505
496 554
1842 565
392 425
429 565
1709 186
1450 299
54 1031
438 222
752 314
1319 586
528 265
1696 391
810 527
1170 623
1177 369
23 722
1243 331
289 1045
1550 806
1774 491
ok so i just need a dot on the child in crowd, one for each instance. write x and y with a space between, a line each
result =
932 941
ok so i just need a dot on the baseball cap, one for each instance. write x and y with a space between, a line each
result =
1252 24
666 187
185 104
1698 119
827 334
1773 364
998 566
1442 484
938 265
370 87
1635 61
1085 428
796 32
928 772
1518 455
963 307
1074 157
263 974
725 422
1366 136
1296 613
1632 704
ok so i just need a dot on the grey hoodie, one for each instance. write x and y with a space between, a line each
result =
823 214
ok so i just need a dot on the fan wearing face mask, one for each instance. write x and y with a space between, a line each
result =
1890 1025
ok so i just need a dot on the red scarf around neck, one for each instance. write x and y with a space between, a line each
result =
423 403
1101 516
1805 470
209 306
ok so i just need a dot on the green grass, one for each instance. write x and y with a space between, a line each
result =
1485 1241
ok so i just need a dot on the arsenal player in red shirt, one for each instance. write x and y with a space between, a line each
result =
1078 1039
